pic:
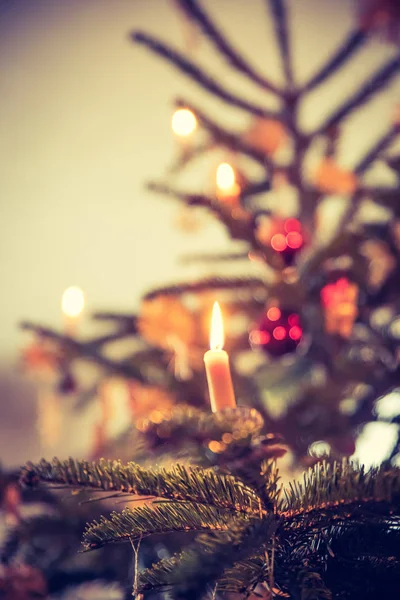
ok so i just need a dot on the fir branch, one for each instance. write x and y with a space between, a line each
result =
88 350
334 485
168 517
198 75
238 228
372 86
218 257
230 139
195 11
376 150
212 553
278 9
179 483
244 575
250 284
353 42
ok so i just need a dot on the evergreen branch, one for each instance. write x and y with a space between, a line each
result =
335 485
219 257
179 483
372 86
168 517
195 11
244 575
221 136
198 75
278 9
88 350
213 553
251 284
354 42
238 228
376 150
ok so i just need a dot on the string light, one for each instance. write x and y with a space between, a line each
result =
184 122
274 313
73 301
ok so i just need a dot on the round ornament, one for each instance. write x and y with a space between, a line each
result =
278 333
284 236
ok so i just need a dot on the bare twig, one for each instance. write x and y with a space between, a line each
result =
278 9
353 42
198 75
373 153
194 10
372 86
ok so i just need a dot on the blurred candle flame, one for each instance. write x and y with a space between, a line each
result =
73 301
217 329
184 122
226 178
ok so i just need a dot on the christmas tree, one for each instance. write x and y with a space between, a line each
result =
312 336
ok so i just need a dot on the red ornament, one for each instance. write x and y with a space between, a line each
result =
284 236
339 300
278 333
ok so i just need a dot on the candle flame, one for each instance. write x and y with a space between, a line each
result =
226 178
73 302
217 329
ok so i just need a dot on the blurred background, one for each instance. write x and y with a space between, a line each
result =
86 121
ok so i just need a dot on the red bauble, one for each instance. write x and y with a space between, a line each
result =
283 235
278 333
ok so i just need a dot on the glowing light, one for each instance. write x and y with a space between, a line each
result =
214 446
319 449
73 301
294 240
184 122
227 438
292 225
295 332
259 338
293 319
274 313
278 242
217 329
279 333
225 177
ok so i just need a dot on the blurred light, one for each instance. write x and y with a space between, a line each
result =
319 449
295 332
278 242
259 338
214 446
73 301
225 176
227 438
292 225
294 240
274 313
394 328
279 333
293 319
217 329
388 406
348 406
375 443
184 122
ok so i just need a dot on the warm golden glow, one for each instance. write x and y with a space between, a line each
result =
73 301
184 122
217 329
225 177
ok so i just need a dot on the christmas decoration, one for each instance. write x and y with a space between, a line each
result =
311 289
278 333
284 236
340 306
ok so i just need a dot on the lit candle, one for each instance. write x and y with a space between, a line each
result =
72 304
228 190
183 123
217 366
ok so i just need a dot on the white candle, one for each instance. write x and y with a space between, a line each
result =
217 366
72 304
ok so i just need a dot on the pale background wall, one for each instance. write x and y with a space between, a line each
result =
85 120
